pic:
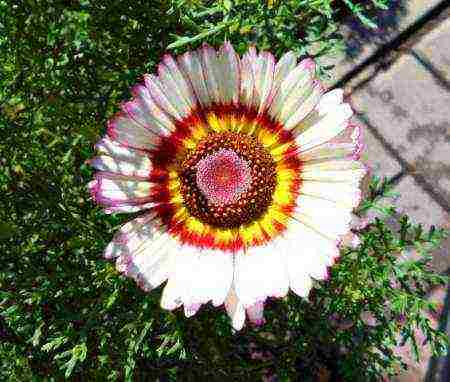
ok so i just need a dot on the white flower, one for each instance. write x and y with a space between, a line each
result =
245 174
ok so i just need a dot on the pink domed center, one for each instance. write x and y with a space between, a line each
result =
223 176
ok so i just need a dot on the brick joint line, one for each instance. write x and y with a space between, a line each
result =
406 167
430 68
395 43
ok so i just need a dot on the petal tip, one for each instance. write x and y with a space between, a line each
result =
191 310
308 64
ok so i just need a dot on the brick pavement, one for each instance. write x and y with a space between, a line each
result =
361 44
399 81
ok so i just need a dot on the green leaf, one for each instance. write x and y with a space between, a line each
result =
54 344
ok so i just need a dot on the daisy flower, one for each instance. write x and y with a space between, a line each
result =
245 175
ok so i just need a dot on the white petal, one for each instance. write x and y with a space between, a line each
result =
331 99
198 277
128 209
294 89
264 70
230 79
247 88
308 254
119 159
139 166
166 98
157 272
212 72
177 84
152 258
143 250
260 273
284 66
112 148
304 105
150 114
334 171
328 218
113 190
131 134
178 290
216 268
346 194
132 235
348 144
190 64
327 121
221 73
235 309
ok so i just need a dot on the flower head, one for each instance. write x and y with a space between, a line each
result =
245 174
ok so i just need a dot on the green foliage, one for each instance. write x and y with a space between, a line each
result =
64 311
308 27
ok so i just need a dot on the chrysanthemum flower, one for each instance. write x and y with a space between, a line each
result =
245 174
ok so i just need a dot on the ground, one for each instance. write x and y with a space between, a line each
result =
398 81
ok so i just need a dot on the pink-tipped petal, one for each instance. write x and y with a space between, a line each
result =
260 273
191 310
144 251
328 120
176 83
284 66
247 94
230 68
213 276
294 89
130 134
212 72
191 65
153 117
164 97
255 313
114 190
264 70
346 145
140 166
304 106
350 240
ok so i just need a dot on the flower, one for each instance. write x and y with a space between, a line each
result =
245 174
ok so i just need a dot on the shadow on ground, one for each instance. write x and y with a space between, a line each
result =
388 22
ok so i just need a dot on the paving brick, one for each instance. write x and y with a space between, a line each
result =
376 156
435 47
410 110
420 207
361 42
